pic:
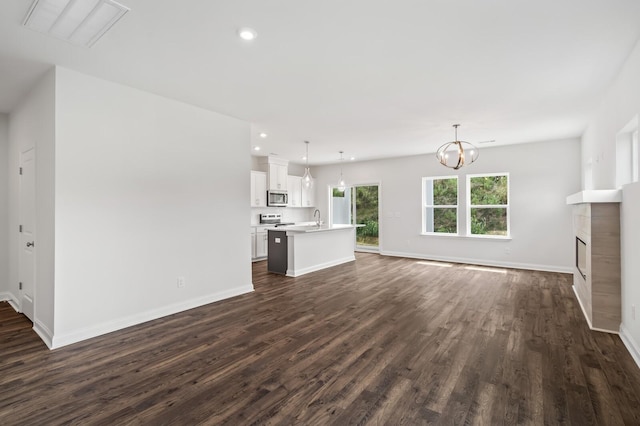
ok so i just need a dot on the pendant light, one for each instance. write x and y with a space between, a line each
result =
307 179
341 184
457 153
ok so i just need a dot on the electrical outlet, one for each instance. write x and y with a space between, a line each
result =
633 312
181 282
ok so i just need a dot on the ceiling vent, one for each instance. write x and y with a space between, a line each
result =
81 22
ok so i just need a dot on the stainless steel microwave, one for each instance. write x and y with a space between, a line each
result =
277 198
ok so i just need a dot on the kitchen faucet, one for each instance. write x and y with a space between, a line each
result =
318 219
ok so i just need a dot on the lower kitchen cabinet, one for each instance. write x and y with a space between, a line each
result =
259 243
262 244
253 244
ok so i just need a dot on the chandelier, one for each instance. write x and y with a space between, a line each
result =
457 153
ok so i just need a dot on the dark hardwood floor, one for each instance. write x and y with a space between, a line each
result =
378 341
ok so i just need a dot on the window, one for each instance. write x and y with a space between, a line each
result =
337 193
440 205
488 205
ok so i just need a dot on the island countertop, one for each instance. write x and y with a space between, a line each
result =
296 250
314 228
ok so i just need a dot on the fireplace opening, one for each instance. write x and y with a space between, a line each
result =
581 257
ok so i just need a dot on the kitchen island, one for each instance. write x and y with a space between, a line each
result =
310 248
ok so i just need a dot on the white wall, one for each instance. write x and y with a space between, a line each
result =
4 207
619 106
146 190
32 124
541 176
630 273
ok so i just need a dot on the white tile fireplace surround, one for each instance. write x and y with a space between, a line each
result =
596 223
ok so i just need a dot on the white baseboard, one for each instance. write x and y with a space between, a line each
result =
55 341
483 262
631 345
45 334
302 271
13 301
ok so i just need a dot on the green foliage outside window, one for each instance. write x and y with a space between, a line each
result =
492 221
440 216
338 193
367 214
489 191
445 192
445 220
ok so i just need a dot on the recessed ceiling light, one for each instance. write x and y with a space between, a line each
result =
304 158
256 148
352 158
263 135
79 22
247 34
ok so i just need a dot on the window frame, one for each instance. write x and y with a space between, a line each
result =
469 206
425 206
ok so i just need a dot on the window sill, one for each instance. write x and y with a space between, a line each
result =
470 237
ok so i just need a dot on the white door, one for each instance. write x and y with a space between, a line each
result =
27 234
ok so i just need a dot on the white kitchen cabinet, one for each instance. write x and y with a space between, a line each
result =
258 189
294 188
259 242
262 244
308 197
277 171
253 243
278 177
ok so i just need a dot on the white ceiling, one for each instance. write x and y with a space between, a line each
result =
375 78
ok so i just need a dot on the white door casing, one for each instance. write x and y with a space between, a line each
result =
27 232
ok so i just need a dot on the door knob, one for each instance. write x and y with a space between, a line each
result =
30 244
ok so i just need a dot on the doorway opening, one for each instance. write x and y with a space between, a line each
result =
358 205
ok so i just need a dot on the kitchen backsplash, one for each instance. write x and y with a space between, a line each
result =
288 214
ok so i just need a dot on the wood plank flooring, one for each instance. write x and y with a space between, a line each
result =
377 341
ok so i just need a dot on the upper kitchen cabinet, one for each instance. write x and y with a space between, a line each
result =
277 172
294 188
309 194
258 189
277 177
